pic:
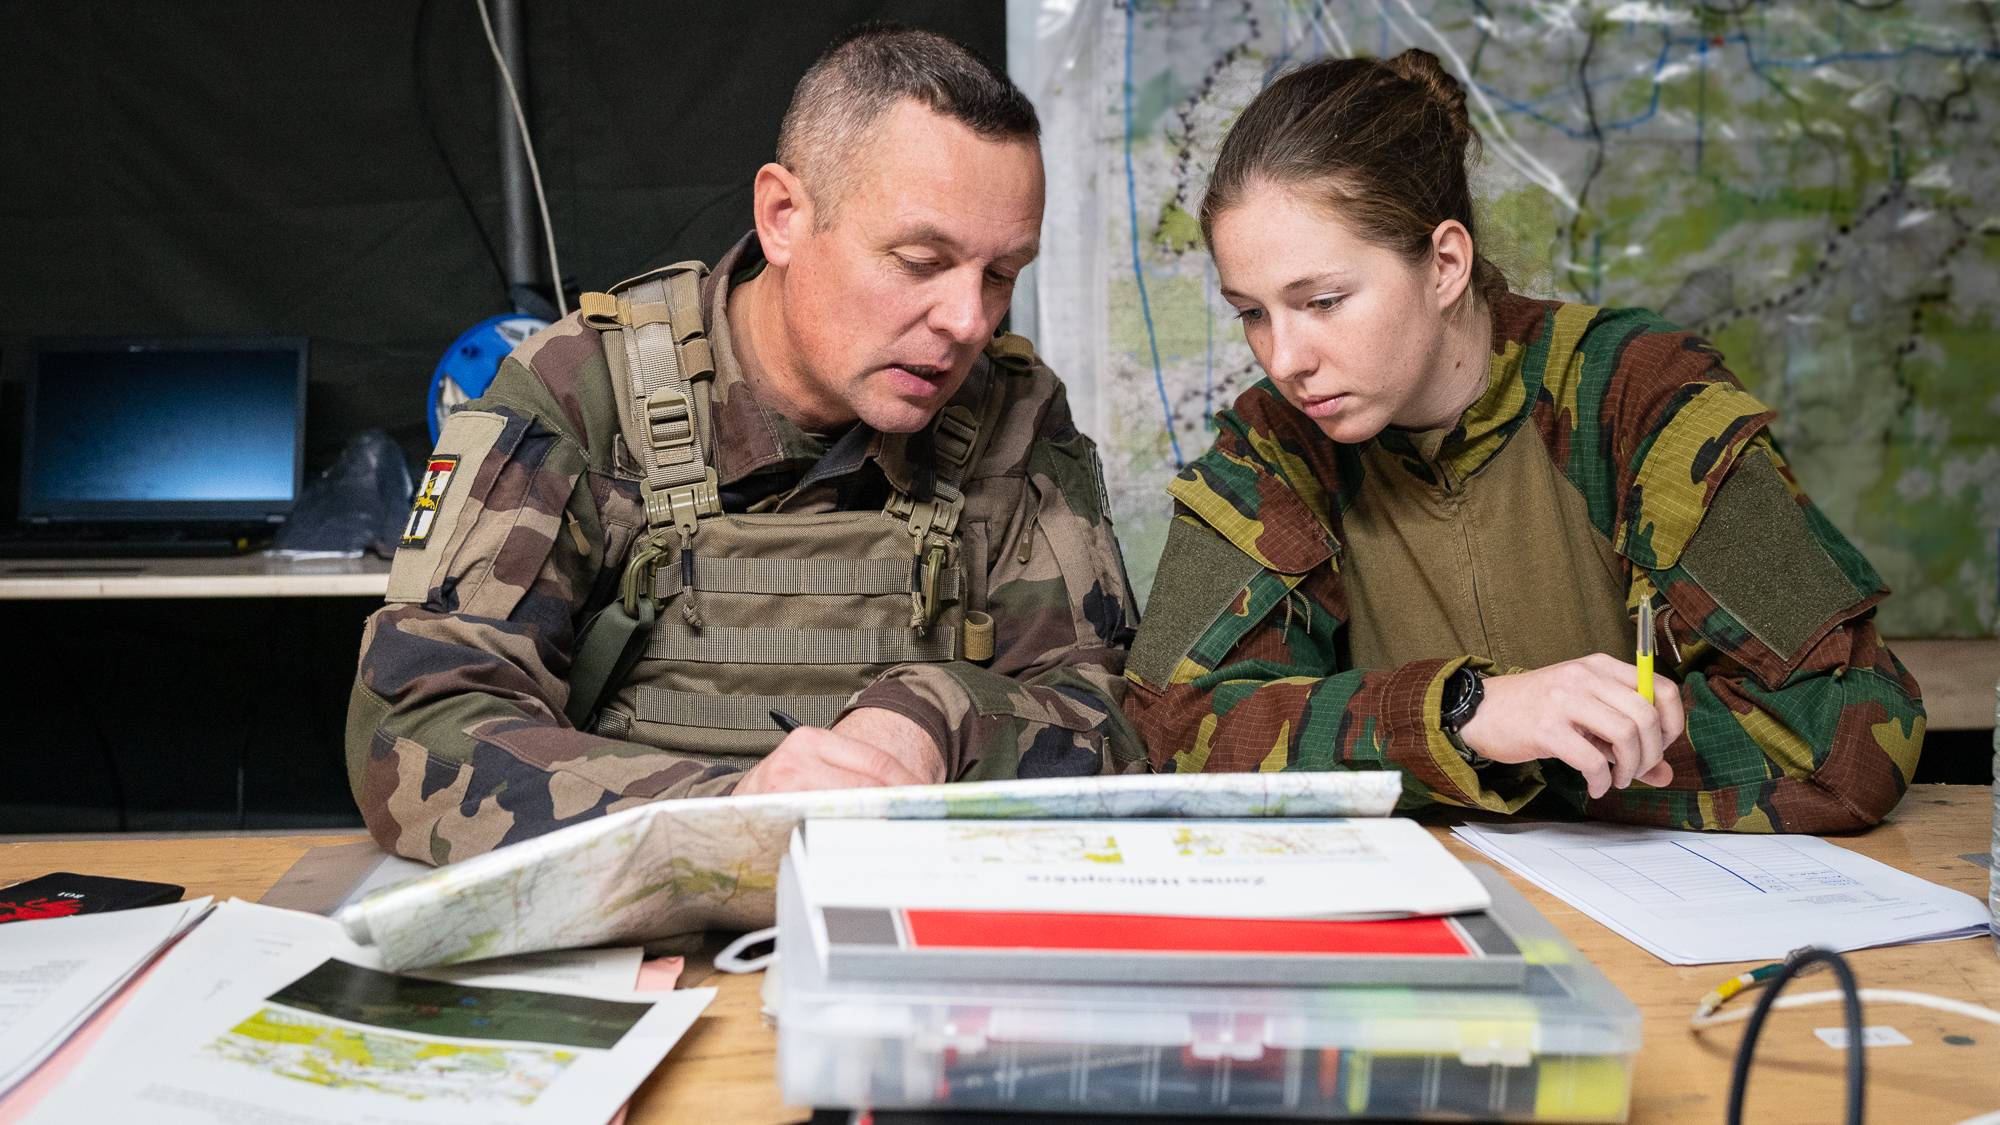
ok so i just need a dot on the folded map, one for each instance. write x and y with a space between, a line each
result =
679 866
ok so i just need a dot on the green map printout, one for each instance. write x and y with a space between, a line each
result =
297 1037
464 1011
1812 185
290 1044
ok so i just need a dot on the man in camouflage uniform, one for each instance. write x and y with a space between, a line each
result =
1612 459
863 302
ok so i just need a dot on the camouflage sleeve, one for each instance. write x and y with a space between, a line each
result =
1258 690
1048 703
1799 719
456 739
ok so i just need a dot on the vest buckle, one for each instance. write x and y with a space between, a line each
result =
957 429
681 507
934 560
638 579
669 422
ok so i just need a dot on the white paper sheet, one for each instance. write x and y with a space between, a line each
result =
179 1054
1695 898
1196 868
54 972
580 972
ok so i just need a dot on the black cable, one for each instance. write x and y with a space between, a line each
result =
429 121
1857 1076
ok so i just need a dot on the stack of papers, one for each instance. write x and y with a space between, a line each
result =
55 972
264 1014
1694 898
1325 902
1389 867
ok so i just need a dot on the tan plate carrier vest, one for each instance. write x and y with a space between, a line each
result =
788 611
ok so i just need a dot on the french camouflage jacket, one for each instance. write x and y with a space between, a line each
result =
1798 718
457 741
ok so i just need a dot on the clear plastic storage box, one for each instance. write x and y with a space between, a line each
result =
1559 1048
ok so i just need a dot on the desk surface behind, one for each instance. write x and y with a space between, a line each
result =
723 1069
239 576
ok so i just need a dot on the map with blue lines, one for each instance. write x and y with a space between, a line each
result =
1811 185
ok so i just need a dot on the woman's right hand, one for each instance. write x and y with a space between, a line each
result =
1585 712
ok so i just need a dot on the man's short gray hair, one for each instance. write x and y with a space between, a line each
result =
862 75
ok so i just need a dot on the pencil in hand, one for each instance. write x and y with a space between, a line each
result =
1645 648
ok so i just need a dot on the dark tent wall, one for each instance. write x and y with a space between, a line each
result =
223 167
239 166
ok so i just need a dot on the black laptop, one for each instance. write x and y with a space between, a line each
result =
159 446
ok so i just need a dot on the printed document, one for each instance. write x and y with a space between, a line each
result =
274 1016
54 972
1698 898
1354 868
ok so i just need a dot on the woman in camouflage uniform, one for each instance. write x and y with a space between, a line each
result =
1421 543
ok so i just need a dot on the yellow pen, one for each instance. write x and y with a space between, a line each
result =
1646 648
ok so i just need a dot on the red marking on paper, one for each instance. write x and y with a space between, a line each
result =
998 929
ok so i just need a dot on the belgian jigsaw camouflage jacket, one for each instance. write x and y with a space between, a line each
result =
1798 718
457 741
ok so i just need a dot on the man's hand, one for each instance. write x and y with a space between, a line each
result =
871 747
1585 712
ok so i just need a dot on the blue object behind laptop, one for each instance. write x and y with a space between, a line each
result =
160 445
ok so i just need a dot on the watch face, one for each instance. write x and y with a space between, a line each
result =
1458 700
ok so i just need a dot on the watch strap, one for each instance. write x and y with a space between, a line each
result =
1462 693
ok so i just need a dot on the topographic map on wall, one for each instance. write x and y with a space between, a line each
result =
1811 185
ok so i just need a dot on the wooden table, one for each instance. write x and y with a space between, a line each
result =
722 1071
1684 1077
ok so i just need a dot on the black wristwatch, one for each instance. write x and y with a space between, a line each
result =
1462 694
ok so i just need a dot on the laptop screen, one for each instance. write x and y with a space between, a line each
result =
164 429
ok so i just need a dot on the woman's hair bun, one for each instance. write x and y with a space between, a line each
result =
1424 69
1382 144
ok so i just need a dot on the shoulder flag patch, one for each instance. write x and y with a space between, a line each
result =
430 497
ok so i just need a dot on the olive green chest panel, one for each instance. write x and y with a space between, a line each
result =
800 611
1504 564
1200 575
1756 555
